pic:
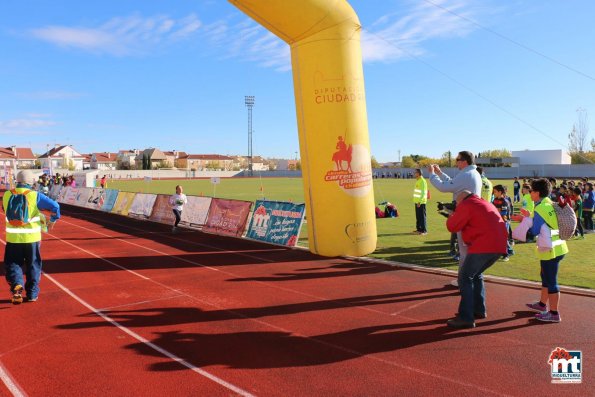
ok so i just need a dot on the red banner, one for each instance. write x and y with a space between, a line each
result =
227 217
162 210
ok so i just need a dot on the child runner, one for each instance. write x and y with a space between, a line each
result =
550 251
177 201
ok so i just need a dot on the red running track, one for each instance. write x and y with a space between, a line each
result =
127 308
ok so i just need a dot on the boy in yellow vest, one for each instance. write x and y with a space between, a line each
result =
550 251
23 236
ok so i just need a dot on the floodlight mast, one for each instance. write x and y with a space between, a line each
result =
249 101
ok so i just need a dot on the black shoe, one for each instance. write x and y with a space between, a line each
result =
458 323
477 316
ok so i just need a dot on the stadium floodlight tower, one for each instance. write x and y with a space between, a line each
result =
249 101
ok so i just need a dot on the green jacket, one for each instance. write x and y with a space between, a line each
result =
420 191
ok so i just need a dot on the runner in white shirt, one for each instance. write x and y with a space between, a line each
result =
177 201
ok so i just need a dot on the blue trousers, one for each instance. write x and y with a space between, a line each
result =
471 284
27 256
420 218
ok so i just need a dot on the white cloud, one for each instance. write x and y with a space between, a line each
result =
390 38
121 36
26 125
396 36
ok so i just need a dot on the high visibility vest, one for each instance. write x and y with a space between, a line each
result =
546 210
31 232
420 191
486 189
528 204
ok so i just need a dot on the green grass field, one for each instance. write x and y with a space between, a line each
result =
395 241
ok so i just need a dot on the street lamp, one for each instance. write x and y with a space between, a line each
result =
249 101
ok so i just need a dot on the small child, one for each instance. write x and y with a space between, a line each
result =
177 201
504 207
550 251
578 210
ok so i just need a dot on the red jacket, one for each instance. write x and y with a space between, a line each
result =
482 227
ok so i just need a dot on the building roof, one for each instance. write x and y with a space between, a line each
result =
57 149
155 154
25 153
217 157
6 153
105 157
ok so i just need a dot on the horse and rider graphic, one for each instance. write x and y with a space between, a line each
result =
343 154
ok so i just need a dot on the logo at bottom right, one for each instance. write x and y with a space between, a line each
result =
566 365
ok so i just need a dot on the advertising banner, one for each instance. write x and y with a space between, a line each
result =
82 196
109 200
70 195
195 211
162 210
123 203
276 222
142 205
95 200
55 192
227 217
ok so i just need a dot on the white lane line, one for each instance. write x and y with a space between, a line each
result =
153 346
409 307
10 383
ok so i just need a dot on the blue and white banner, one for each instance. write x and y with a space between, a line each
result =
109 200
276 222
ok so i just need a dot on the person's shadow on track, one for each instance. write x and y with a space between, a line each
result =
257 350
187 315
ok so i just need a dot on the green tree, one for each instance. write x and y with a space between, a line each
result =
408 162
375 163
496 153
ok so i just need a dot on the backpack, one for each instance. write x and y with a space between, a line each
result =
17 210
566 221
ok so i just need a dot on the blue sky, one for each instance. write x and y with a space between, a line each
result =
440 75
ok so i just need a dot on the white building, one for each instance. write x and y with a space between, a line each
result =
538 157
62 156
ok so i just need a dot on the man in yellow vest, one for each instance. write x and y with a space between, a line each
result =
24 222
420 198
550 251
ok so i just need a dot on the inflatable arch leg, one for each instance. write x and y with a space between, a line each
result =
324 36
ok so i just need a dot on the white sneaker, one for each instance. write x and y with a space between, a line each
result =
455 283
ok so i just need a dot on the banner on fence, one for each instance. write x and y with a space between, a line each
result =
109 200
227 217
195 211
55 192
83 196
70 195
162 210
142 205
95 200
276 222
123 203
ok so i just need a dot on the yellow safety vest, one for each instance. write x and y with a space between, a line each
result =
420 192
31 232
486 189
546 210
528 204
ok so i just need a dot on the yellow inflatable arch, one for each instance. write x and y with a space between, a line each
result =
324 36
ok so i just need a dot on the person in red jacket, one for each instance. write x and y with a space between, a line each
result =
485 234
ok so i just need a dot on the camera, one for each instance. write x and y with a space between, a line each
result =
446 209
